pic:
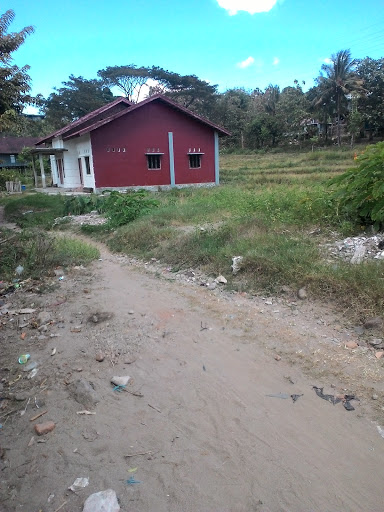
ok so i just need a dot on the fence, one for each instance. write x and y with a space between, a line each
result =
13 186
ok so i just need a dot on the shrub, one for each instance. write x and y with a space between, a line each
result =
8 175
360 190
122 208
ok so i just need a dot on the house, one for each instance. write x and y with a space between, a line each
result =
11 147
154 143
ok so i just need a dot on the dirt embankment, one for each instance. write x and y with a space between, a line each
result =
198 429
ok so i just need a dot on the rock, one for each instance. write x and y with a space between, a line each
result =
211 286
374 323
20 397
100 356
285 289
277 357
379 354
375 342
59 272
44 317
84 393
103 501
302 294
375 397
131 312
351 344
44 428
236 264
221 280
120 381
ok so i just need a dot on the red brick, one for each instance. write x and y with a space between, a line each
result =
44 428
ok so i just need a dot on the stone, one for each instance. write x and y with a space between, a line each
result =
44 317
44 428
84 393
59 272
351 344
103 501
78 484
211 286
120 381
277 357
374 323
221 280
375 397
359 254
131 312
302 294
20 397
100 356
375 342
379 354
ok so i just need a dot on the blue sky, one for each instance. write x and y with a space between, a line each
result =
265 41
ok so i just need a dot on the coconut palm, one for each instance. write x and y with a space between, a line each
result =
337 80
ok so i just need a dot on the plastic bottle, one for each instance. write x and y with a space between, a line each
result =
24 358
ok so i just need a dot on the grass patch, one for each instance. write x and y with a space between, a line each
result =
38 253
34 210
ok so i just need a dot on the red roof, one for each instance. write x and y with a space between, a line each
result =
85 120
14 145
84 126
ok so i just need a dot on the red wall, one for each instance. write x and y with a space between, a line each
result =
148 127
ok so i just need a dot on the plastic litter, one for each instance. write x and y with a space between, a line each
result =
284 396
329 398
132 481
19 269
296 397
78 484
24 358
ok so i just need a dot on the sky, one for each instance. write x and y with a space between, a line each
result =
231 43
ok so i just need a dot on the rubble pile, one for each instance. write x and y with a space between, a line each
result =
358 248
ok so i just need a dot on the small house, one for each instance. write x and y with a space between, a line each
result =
11 147
154 143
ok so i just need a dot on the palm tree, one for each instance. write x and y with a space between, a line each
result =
337 80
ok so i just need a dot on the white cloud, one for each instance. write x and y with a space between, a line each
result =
327 61
251 6
276 61
245 63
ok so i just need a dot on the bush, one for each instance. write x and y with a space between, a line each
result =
8 175
122 208
360 190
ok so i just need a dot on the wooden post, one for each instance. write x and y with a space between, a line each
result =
34 170
42 170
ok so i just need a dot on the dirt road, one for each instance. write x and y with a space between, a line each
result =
212 439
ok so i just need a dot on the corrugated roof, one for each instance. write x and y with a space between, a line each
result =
156 97
14 145
84 120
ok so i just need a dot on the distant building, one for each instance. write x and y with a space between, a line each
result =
11 147
123 145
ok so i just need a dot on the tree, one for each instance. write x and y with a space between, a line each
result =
337 80
77 98
14 81
129 79
371 104
293 109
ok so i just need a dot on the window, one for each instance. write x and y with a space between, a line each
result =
13 159
87 165
154 161
194 161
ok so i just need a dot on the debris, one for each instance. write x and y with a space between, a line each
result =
84 393
284 396
26 407
329 398
120 381
221 280
30 366
61 506
53 351
132 470
78 484
236 264
359 254
33 373
302 294
19 270
85 412
153 407
61 278
203 328
296 397
381 431
23 335
31 441
132 480
103 501
204 368
351 344
26 311
139 454
44 428
100 356
44 317
38 415
348 406
24 358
